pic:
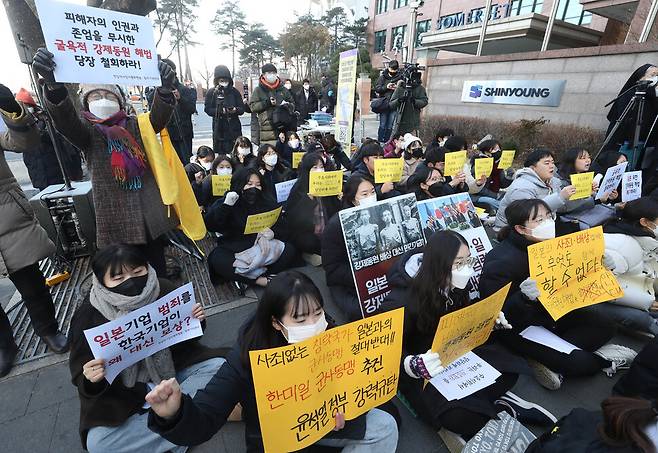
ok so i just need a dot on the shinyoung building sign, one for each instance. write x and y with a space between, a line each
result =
517 92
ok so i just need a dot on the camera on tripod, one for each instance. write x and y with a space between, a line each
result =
220 100
411 74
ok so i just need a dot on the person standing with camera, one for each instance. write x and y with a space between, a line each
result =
224 103
408 99
274 105
384 87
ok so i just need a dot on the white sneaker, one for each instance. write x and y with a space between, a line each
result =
620 357
546 377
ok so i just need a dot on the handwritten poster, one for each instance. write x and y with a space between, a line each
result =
631 186
346 88
388 170
454 163
93 45
258 222
483 167
297 158
220 184
283 190
506 159
570 273
325 183
145 331
465 376
583 183
348 369
611 180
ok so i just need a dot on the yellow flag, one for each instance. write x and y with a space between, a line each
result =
506 159
325 183
583 183
570 274
258 222
454 163
388 170
483 167
296 159
463 330
220 184
349 369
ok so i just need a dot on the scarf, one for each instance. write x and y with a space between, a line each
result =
111 305
127 158
271 86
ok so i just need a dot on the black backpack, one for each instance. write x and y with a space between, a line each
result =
282 119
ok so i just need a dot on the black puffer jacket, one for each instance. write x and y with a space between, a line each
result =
180 124
335 260
225 106
381 86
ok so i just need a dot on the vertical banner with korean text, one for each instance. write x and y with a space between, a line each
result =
345 102
457 213
348 369
375 237
93 45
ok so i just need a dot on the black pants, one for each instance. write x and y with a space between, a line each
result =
307 243
183 148
31 284
220 262
347 302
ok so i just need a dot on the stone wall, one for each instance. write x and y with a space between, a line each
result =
594 77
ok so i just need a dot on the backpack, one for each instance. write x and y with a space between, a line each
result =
282 119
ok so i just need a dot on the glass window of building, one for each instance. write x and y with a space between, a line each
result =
422 27
520 7
380 41
382 6
572 11
400 3
398 35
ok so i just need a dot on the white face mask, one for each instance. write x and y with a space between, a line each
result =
224 171
369 200
545 230
206 165
293 143
287 85
461 277
244 151
306 87
223 84
271 160
298 334
270 77
103 108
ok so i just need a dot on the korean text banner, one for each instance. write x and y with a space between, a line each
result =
506 159
220 184
454 163
376 236
463 330
611 180
570 274
258 222
483 167
345 102
325 183
93 45
143 332
388 170
583 183
349 369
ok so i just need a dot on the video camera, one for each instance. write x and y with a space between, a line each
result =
411 74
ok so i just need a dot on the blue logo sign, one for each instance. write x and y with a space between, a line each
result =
476 91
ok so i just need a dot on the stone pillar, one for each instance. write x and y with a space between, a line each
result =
637 24
363 87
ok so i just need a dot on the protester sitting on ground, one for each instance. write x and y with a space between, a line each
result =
488 196
113 416
435 158
288 144
430 284
428 182
359 190
335 150
528 222
290 310
200 164
273 168
364 164
307 215
413 156
623 425
536 180
246 258
393 148
243 154
222 166
631 250
127 201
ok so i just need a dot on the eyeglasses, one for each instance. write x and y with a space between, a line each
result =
539 220
463 262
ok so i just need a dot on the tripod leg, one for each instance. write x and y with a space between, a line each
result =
618 122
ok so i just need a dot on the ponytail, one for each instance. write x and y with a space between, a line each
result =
624 421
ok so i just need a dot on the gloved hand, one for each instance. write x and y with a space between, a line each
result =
324 109
529 288
231 198
167 76
502 323
44 64
7 101
608 262
424 366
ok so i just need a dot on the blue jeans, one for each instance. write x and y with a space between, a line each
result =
489 203
381 436
386 121
134 434
629 317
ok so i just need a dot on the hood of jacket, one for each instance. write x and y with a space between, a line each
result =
222 71
629 229
526 177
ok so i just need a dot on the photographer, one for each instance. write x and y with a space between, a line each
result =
273 104
408 99
224 103
384 87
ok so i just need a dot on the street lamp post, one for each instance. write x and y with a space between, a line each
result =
411 39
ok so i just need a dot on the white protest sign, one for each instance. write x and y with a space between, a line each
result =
283 190
542 335
465 376
611 179
631 186
143 332
93 45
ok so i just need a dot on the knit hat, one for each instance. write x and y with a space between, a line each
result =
408 139
25 97
86 88
268 67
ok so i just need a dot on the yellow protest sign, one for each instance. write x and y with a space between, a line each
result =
388 170
506 159
480 211
454 163
570 274
220 184
350 369
583 183
325 183
483 167
296 159
463 330
258 222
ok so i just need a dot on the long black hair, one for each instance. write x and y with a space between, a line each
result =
262 150
645 207
218 160
625 420
303 174
289 292
115 258
568 161
351 187
431 284
242 142
519 212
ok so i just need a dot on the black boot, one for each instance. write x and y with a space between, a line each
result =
7 357
58 343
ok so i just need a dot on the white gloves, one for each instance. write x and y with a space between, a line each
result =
424 366
609 262
501 322
231 198
529 288
324 109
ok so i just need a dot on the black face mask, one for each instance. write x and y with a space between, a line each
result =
417 152
436 189
131 287
251 195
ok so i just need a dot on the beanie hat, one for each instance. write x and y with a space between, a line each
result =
25 97
86 88
268 67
